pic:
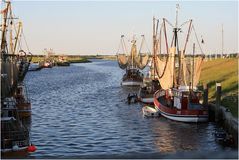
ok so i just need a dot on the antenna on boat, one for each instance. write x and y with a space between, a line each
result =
222 43
177 8
175 30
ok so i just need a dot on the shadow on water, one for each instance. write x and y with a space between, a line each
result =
81 111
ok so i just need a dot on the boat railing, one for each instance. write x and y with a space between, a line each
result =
9 143
21 143
160 93
14 134
9 103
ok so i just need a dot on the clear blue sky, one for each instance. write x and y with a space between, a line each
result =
86 27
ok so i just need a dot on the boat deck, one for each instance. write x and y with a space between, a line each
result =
169 103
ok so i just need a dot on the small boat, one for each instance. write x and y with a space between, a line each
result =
147 90
132 63
150 111
179 98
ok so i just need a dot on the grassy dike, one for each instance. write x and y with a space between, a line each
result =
71 59
224 71
75 58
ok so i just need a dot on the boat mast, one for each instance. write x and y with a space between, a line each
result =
155 43
11 34
175 31
132 55
4 26
154 39
18 33
193 64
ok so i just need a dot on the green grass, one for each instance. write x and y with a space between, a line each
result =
224 71
71 59
78 60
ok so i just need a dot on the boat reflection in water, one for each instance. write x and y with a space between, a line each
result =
169 139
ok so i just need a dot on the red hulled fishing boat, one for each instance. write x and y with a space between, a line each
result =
179 98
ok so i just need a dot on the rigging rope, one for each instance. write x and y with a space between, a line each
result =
156 62
197 40
141 46
25 41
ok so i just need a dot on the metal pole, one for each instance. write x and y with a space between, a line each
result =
222 43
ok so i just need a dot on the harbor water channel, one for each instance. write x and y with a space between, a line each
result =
81 111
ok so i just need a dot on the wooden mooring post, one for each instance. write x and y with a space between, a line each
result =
223 116
218 100
205 94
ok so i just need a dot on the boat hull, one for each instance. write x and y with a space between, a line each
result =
185 115
147 100
24 113
63 64
24 109
9 153
185 118
131 83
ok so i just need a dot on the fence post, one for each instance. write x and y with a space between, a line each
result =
218 100
205 94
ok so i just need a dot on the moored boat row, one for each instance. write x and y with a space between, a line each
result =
171 85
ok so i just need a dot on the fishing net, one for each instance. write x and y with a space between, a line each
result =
122 60
142 60
165 70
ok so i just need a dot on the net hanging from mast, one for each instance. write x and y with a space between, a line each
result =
142 58
187 71
122 57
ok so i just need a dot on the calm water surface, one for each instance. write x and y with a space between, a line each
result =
81 110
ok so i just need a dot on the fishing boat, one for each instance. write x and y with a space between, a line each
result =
179 98
14 66
150 82
132 77
48 61
132 63
62 61
150 111
47 64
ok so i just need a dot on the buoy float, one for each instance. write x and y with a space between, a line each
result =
31 148
15 148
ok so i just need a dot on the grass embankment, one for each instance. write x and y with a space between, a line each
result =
71 59
77 59
224 71
104 57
